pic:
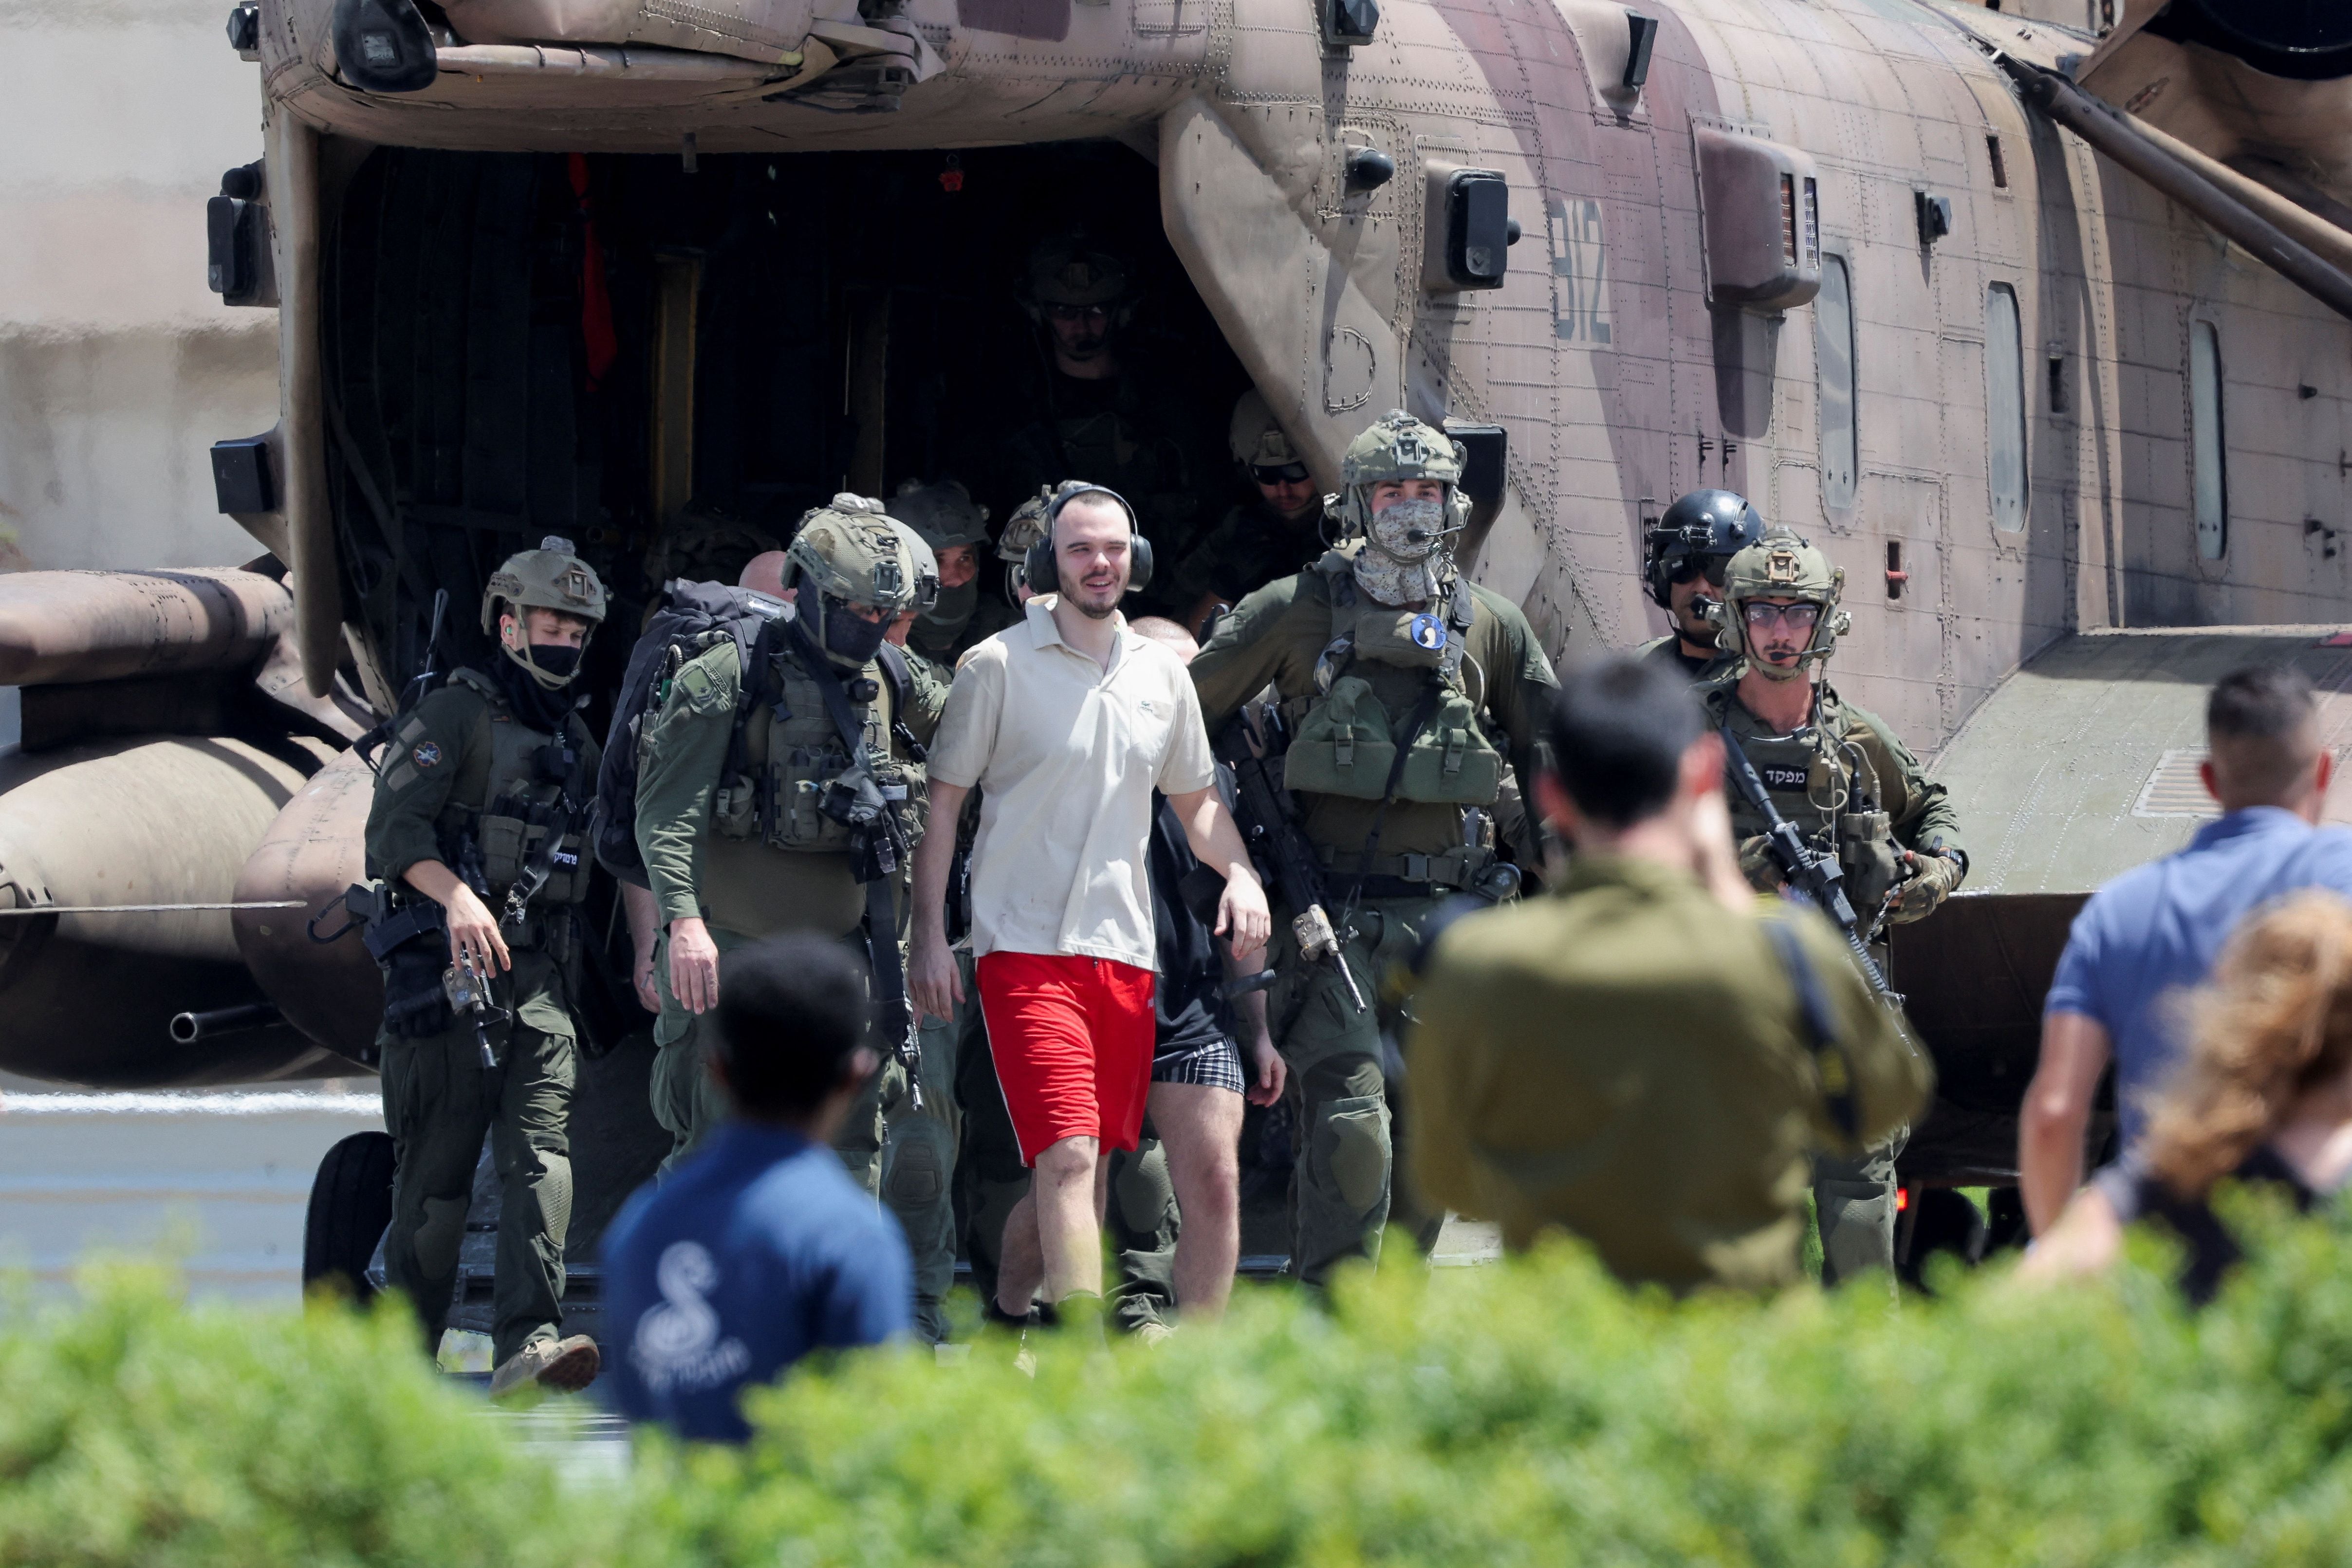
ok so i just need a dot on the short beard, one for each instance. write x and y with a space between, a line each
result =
1076 600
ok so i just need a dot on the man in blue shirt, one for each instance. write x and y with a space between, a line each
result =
2153 932
758 1248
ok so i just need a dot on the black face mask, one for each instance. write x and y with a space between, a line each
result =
534 705
851 640
556 659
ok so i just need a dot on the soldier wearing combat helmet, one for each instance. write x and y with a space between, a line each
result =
1852 788
1277 531
780 796
1683 563
1393 670
1097 409
476 829
955 527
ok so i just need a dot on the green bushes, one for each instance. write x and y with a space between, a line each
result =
1528 1413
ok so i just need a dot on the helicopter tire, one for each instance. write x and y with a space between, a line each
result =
350 1205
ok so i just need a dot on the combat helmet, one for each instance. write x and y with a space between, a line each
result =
1076 270
1024 529
942 512
1781 565
1399 446
852 551
1708 524
548 577
1257 439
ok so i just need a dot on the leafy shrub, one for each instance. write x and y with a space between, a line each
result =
134 1431
1532 1413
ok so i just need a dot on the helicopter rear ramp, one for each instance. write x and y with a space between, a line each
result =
2081 766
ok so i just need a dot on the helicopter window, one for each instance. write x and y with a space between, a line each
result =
2005 409
1834 368
2209 454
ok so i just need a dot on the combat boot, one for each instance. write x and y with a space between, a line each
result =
563 1365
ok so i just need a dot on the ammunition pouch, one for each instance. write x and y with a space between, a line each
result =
1346 745
511 833
1871 859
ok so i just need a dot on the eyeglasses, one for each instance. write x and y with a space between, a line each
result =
1074 313
1708 566
1797 617
1287 473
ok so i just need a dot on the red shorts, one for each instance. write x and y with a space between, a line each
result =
1072 1040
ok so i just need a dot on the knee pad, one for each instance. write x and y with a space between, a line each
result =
916 1176
552 1192
1146 1197
1351 1137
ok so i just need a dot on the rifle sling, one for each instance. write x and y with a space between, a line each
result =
1831 1062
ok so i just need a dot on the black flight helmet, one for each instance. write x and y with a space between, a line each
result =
1700 532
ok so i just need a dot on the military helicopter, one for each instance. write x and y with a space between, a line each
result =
2036 319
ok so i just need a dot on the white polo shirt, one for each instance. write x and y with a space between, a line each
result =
1067 754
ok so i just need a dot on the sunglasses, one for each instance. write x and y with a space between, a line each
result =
1690 565
1799 617
1078 312
1287 473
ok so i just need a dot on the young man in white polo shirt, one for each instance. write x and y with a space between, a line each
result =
1071 720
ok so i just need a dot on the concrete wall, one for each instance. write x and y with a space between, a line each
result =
117 369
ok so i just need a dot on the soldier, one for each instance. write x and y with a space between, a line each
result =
1852 790
1564 1044
1683 563
1096 413
481 800
757 813
1390 665
956 530
1278 533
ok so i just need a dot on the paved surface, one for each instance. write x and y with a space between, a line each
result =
222 1177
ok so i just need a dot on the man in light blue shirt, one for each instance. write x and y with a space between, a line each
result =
2153 932
758 1248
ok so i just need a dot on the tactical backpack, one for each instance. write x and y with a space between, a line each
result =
698 617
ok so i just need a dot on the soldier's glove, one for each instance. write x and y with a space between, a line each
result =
415 1005
1933 877
1757 864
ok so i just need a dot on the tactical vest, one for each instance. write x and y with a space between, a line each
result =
789 755
1828 788
1345 738
524 800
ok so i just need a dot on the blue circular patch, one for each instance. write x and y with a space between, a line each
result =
426 755
1427 631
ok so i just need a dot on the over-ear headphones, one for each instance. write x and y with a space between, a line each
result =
1039 568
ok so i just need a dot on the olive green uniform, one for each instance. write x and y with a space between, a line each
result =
1667 650
712 851
462 766
1253 545
1571 1067
920 1144
1338 767
1820 779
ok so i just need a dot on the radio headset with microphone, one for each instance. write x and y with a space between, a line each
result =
1039 567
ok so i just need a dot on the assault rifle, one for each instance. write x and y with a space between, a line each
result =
1268 819
1816 875
413 693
